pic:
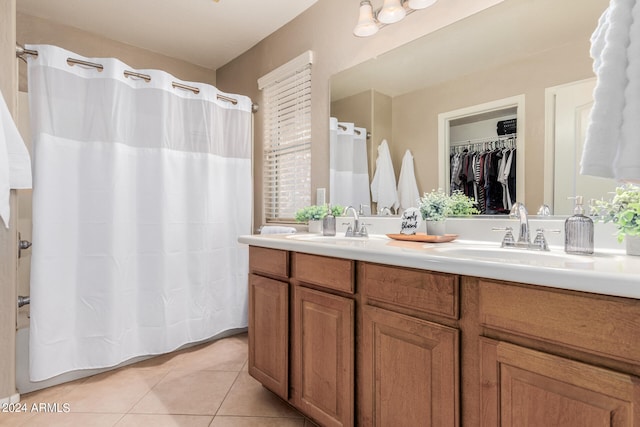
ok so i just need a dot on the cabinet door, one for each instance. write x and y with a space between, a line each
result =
409 372
523 387
269 333
323 356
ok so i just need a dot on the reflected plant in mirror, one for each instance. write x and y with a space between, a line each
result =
462 205
316 213
437 205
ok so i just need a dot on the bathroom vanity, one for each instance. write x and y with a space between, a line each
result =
379 332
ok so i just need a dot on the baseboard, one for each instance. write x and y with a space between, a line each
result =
11 399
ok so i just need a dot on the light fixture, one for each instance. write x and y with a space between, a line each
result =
392 11
420 4
367 25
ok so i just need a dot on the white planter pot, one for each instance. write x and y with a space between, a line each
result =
436 228
633 245
315 226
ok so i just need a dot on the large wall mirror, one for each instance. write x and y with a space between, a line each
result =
518 48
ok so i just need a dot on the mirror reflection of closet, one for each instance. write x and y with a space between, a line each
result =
476 140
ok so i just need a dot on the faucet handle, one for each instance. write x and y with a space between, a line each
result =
508 241
361 209
540 242
363 230
349 232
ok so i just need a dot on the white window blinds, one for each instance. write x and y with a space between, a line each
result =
287 139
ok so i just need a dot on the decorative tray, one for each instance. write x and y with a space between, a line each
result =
422 237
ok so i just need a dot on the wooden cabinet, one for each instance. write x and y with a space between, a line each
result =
409 367
323 356
351 342
409 371
523 387
269 320
323 338
569 370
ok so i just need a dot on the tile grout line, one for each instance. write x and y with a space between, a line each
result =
229 391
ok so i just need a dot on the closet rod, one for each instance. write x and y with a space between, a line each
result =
21 52
485 139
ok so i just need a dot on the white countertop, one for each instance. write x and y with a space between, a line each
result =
607 271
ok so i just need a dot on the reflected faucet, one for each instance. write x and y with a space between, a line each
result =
386 211
520 212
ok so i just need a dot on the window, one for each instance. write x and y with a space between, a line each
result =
287 139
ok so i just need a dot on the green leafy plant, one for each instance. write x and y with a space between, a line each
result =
315 212
462 205
437 206
623 210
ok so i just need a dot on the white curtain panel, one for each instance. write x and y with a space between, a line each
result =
140 193
349 172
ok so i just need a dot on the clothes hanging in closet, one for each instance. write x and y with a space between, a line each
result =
487 175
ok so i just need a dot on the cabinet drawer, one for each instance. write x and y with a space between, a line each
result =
269 261
428 292
332 273
593 323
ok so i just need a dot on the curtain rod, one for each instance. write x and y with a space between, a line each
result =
343 127
21 51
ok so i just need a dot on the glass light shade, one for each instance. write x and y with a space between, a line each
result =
366 25
420 4
391 12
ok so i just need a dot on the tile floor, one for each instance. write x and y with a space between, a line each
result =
206 385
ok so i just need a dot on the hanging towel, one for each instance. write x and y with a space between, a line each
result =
383 186
15 164
612 148
408 194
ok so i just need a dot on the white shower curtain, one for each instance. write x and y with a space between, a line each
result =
140 192
349 171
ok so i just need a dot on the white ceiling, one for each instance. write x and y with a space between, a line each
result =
202 32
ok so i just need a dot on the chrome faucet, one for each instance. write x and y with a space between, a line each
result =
520 212
354 230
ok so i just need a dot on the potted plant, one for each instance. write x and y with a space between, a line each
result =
624 211
436 206
314 214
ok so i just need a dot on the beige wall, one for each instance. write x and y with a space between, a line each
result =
32 30
326 29
8 238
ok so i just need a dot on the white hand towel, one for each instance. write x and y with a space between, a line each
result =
276 229
408 194
612 148
15 164
383 186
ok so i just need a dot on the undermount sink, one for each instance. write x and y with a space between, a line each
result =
511 255
337 239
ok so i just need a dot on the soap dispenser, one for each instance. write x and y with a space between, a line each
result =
578 231
329 223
